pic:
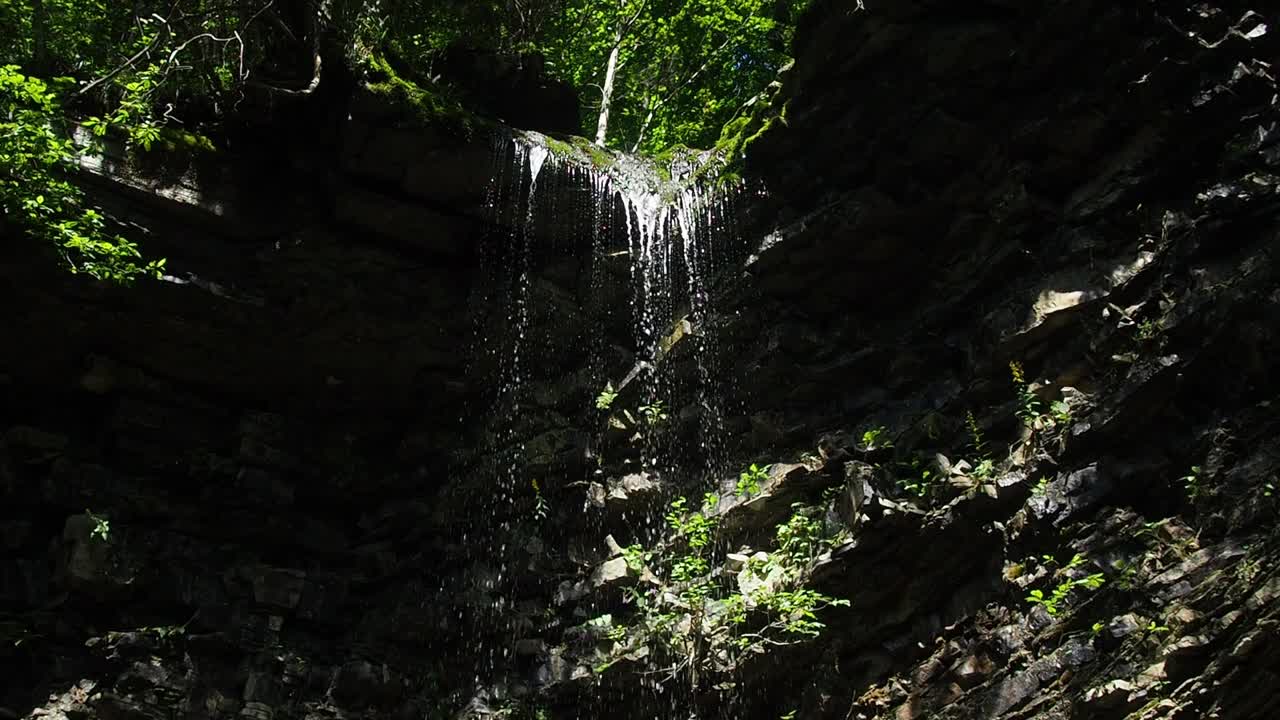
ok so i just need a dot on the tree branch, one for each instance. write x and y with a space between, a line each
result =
121 67
685 83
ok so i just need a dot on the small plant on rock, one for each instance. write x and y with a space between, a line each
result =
920 480
1028 403
101 526
920 487
1148 330
540 506
704 625
984 470
636 557
1191 483
975 434
606 397
654 413
1053 602
1060 411
751 480
1128 574
875 439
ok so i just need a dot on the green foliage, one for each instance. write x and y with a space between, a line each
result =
875 439
636 557
654 413
750 480
38 155
1054 602
101 526
705 624
1041 487
600 625
1060 411
922 480
684 66
984 470
976 440
606 397
694 528
1028 403
540 507
1029 407
1127 576
1191 483
801 538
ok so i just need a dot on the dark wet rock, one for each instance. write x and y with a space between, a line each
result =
312 513
278 587
612 573
972 670
1072 493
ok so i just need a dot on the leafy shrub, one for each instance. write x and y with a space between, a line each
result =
750 480
37 156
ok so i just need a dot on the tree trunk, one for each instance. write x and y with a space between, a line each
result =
606 89
39 38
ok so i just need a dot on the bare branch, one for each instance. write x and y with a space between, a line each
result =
202 36
122 67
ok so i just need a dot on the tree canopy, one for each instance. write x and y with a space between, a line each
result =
681 68
651 74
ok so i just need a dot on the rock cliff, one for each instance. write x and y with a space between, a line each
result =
994 312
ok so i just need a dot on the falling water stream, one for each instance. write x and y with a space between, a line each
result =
671 236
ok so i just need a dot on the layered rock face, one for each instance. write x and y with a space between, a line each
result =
282 483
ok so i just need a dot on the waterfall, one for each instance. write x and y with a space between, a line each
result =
670 234
501 307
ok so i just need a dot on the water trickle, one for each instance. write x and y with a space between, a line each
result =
649 252
537 155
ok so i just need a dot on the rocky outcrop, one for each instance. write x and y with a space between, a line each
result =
283 482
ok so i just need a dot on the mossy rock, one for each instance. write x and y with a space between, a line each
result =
176 140
756 119
174 153
580 148
414 105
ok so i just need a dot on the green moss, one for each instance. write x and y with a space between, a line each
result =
579 148
738 135
175 140
731 134
599 156
174 150
560 148
675 154
418 105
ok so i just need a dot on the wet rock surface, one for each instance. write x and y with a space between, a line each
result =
246 492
